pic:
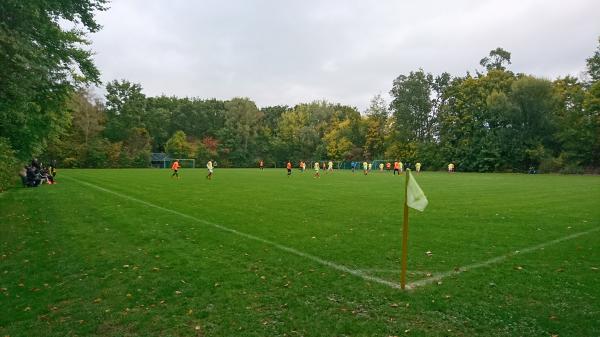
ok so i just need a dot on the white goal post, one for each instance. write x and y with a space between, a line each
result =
184 163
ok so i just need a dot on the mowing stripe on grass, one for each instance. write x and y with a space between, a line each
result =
438 277
313 258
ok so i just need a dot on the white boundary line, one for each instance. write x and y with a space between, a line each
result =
497 259
313 258
392 271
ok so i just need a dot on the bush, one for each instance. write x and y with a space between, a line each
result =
9 166
572 169
69 162
551 164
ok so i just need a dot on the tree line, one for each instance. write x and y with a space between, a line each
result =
493 120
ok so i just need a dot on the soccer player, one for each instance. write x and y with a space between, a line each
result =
418 167
209 166
175 167
396 167
365 167
317 175
330 166
380 167
450 168
401 167
388 166
261 164
370 166
289 168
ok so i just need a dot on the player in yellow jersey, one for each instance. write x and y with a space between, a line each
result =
209 166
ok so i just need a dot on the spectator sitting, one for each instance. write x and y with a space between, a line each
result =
33 177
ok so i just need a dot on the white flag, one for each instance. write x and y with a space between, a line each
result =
415 198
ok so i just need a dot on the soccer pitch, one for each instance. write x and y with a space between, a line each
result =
257 253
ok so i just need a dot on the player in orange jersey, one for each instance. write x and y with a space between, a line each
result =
175 167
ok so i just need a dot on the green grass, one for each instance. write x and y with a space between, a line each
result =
81 261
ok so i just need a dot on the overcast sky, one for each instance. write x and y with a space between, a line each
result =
288 52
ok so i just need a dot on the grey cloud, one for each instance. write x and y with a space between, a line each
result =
284 52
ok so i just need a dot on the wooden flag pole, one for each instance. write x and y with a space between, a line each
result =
405 234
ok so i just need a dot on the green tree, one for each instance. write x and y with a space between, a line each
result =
338 142
411 107
591 105
136 148
8 166
593 64
377 124
497 60
125 109
41 63
178 147
87 122
240 130
472 120
88 116
531 121
574 133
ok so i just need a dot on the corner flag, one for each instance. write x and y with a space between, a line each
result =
413 198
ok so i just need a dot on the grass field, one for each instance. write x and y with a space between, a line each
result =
251 253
